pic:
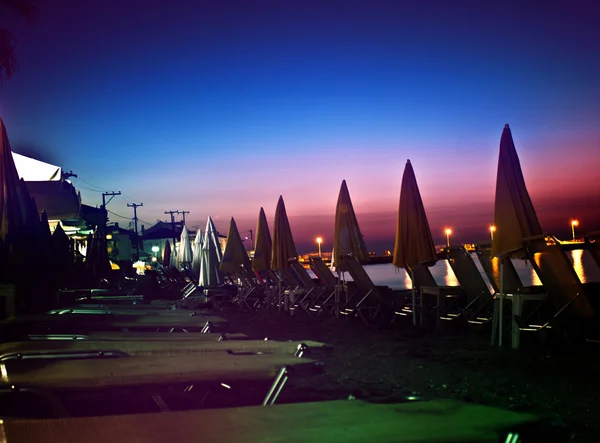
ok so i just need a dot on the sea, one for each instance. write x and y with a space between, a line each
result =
388 275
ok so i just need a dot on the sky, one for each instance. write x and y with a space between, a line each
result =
218 108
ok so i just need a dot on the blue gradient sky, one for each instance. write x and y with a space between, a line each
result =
220 107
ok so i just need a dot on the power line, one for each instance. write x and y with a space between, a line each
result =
118 215
91 184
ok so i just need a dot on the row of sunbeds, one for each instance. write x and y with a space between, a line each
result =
85 372
472 302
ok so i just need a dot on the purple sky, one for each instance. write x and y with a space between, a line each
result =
220 107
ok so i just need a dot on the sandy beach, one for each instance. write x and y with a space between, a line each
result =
390 365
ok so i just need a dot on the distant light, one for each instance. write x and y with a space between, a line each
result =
448 231
155 248
492 228
109 236
575 222
319 240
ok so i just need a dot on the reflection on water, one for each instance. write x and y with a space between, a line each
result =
388 275
449 279
577 257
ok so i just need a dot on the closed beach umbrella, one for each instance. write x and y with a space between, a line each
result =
185 248
347 238
235 255
414 245
166 259
514 216
283 247
97 262
262 244
174 263
17 211
45 251
63 257
210 273
197 253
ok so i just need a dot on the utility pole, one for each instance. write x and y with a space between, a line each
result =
173 223
135 220
183 213
104 202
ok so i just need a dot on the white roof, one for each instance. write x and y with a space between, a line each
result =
32 170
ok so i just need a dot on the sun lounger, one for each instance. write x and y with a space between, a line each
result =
84 323
137 336
442 295
160 348
326 301
478 298
343 421
593 242
153 373
311 291
566 293
375 305
513 290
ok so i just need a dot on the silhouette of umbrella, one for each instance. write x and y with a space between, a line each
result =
97 262
347 238
63 253
283 247
262 245
18 214
197 253
210 273
514 216
167 254
414 245
235 255
184 255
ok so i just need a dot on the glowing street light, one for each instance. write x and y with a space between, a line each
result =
319 241
155 249
573 224
448 232
492 230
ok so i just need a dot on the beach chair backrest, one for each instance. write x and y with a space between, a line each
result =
323 273
556 272
358 273
421 276
302 274
467 273
491 267
594 246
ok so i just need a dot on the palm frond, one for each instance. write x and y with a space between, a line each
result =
8 61
26 8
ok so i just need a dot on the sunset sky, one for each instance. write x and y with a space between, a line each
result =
218 107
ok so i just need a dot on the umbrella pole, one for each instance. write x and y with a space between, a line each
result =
414 304
500 302
338 292
279 291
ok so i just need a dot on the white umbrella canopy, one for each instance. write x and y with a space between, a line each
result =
210 273
197 252
174 259
184 256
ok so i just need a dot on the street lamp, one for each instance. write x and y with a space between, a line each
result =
573 224
492 230
448 232
319 241
155 249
